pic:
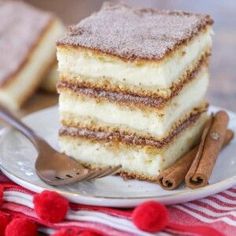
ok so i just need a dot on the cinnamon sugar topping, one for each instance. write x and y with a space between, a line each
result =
132 33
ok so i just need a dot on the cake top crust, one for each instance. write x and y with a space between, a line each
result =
135 33
20 30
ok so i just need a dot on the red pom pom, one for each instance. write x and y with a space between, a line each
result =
4 221
150 216
22 227
50 206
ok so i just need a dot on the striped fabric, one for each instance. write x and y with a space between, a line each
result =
217 211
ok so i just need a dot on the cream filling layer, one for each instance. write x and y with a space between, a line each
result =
152 122
160 74
40 58
136 161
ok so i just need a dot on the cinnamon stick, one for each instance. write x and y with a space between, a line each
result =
211 143
172 177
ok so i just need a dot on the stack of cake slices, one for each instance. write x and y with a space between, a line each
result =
132 87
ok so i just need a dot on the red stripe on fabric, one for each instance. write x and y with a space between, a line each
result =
178 233
224 194
233 190
179 216
210 207
200 229
4 179
106 231
14 187
203 214
19 210
220 202
110 211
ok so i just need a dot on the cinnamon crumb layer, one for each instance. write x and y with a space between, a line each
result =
107 84
135 34
128 138
157 132
145 99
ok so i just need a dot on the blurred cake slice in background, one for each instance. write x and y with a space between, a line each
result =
27 46
49 82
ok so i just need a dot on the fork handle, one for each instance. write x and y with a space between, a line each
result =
9 118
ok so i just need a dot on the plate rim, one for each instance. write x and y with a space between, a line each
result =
127 202
212 188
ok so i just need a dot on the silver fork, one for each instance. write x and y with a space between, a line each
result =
53 167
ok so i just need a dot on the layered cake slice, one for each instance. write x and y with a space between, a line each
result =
27 46
132 87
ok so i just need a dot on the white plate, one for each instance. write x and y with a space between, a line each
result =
18 156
